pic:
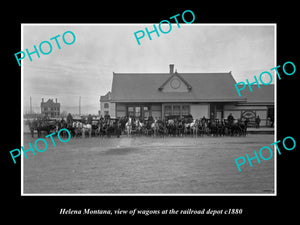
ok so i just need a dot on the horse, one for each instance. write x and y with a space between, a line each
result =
60 125
186 128
171 127
244 125
213 127
155 127
128 126
77 128
138 126
194 127
147 129
237 128
98 130
71 129
204 126
102 129
86 128
94 129
122 123
179 128
117 128
240 128
220 128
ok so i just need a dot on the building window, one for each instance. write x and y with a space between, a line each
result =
146 112
176 110
106 113
185 110
131 111
168 110
106 105
137 111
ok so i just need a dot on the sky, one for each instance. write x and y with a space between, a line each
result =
85 68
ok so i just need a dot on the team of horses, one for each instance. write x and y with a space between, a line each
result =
186 127
137 127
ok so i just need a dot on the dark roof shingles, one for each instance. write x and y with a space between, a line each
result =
145 87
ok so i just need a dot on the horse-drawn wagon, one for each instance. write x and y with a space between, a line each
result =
171 126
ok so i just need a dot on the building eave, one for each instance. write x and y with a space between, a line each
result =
176 100
256 103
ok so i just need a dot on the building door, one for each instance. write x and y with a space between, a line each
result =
216 111
219 111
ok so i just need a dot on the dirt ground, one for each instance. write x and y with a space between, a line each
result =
147 165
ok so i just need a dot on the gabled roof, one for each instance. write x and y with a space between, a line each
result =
50 102
144 87
175 75
105 98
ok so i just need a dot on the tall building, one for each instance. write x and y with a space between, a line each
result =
50 108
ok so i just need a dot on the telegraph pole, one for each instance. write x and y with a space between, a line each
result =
79 105
30 106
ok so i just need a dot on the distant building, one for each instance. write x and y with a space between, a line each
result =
106 106
50 108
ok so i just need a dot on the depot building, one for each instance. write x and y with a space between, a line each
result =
210 95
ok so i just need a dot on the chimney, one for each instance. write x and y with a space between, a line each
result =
171 68
43 100
56 100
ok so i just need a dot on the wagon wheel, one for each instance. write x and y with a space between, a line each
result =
145 131
235 132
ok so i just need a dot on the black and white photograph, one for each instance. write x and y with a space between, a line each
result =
150 111
131 109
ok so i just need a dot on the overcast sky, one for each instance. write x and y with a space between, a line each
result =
86 67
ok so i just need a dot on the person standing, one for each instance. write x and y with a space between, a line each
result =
257 120
272 121
230 119
69 119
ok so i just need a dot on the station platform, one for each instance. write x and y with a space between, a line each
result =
260 130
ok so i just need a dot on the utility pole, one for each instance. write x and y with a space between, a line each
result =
79 105
30 110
